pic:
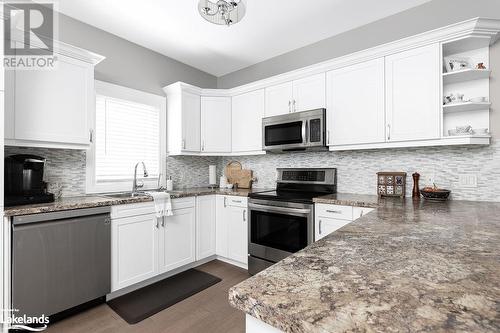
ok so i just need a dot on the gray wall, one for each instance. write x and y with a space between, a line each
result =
431 15
129 64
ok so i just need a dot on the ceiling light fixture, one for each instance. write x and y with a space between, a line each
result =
222 12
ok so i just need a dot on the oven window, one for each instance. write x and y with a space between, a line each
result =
278 231
283 134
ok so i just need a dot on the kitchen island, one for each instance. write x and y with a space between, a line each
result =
408 266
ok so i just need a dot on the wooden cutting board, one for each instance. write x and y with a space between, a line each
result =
236 175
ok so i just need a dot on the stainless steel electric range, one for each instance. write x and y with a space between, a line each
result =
282 221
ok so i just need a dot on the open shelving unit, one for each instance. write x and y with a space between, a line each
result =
472 83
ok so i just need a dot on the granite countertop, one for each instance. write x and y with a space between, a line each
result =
103 200
348 199
405 267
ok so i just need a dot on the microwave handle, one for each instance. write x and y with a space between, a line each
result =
305 134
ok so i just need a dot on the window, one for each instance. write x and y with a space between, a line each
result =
129 127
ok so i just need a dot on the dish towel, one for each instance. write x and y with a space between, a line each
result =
162 202
168 205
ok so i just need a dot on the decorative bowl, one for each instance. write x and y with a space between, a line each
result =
436 194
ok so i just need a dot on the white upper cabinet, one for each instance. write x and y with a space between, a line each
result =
279 99
215 124
183 120
412 95
247 114
356 104
52 107
309 93
300 95
191 122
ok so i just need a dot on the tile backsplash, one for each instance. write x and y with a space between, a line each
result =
67 167
356 169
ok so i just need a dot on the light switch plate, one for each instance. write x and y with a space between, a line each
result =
467 180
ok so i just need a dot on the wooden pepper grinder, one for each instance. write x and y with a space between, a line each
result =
416 190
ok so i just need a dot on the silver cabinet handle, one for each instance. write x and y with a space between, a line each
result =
183 143
289 106
334 211
91 135
203 145
294 107
388 131
244 215
163 221
237 201
157 223
225 202
320 226
327 137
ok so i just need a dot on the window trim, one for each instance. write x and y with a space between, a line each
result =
133 95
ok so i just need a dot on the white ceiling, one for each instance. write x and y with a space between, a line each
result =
270 27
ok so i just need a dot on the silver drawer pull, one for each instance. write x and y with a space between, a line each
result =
244 215
334 211
237 201
320 227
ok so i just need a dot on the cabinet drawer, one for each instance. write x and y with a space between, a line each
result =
325 226
183 203
334 211
358 212
135 209
236 201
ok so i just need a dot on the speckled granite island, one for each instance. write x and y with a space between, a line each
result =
405 267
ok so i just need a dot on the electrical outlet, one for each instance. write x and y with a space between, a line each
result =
467 180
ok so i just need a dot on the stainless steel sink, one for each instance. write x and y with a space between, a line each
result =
123 195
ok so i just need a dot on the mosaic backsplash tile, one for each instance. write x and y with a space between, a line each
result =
356 169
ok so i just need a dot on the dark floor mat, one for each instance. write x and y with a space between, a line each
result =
145 302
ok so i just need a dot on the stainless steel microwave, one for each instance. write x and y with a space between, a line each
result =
297 131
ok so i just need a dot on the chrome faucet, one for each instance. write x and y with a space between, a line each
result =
139 184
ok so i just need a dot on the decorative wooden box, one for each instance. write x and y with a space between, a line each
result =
391 184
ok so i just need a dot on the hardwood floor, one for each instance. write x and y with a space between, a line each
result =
207 311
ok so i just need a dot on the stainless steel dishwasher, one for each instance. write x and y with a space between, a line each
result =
60 260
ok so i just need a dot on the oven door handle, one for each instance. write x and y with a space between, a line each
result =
276 209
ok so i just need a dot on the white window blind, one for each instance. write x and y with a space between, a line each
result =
126 133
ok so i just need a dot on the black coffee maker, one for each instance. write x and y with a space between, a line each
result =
24 180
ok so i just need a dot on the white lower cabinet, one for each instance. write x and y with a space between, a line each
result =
205 226
134 249
143 246
177 239
328 218
232 228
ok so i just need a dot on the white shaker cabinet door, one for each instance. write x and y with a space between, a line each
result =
177 239
412 95
279 99
237 230
309 93
356 104
54 105
215 124
247 114
205 226
191 122
134 250
221 225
